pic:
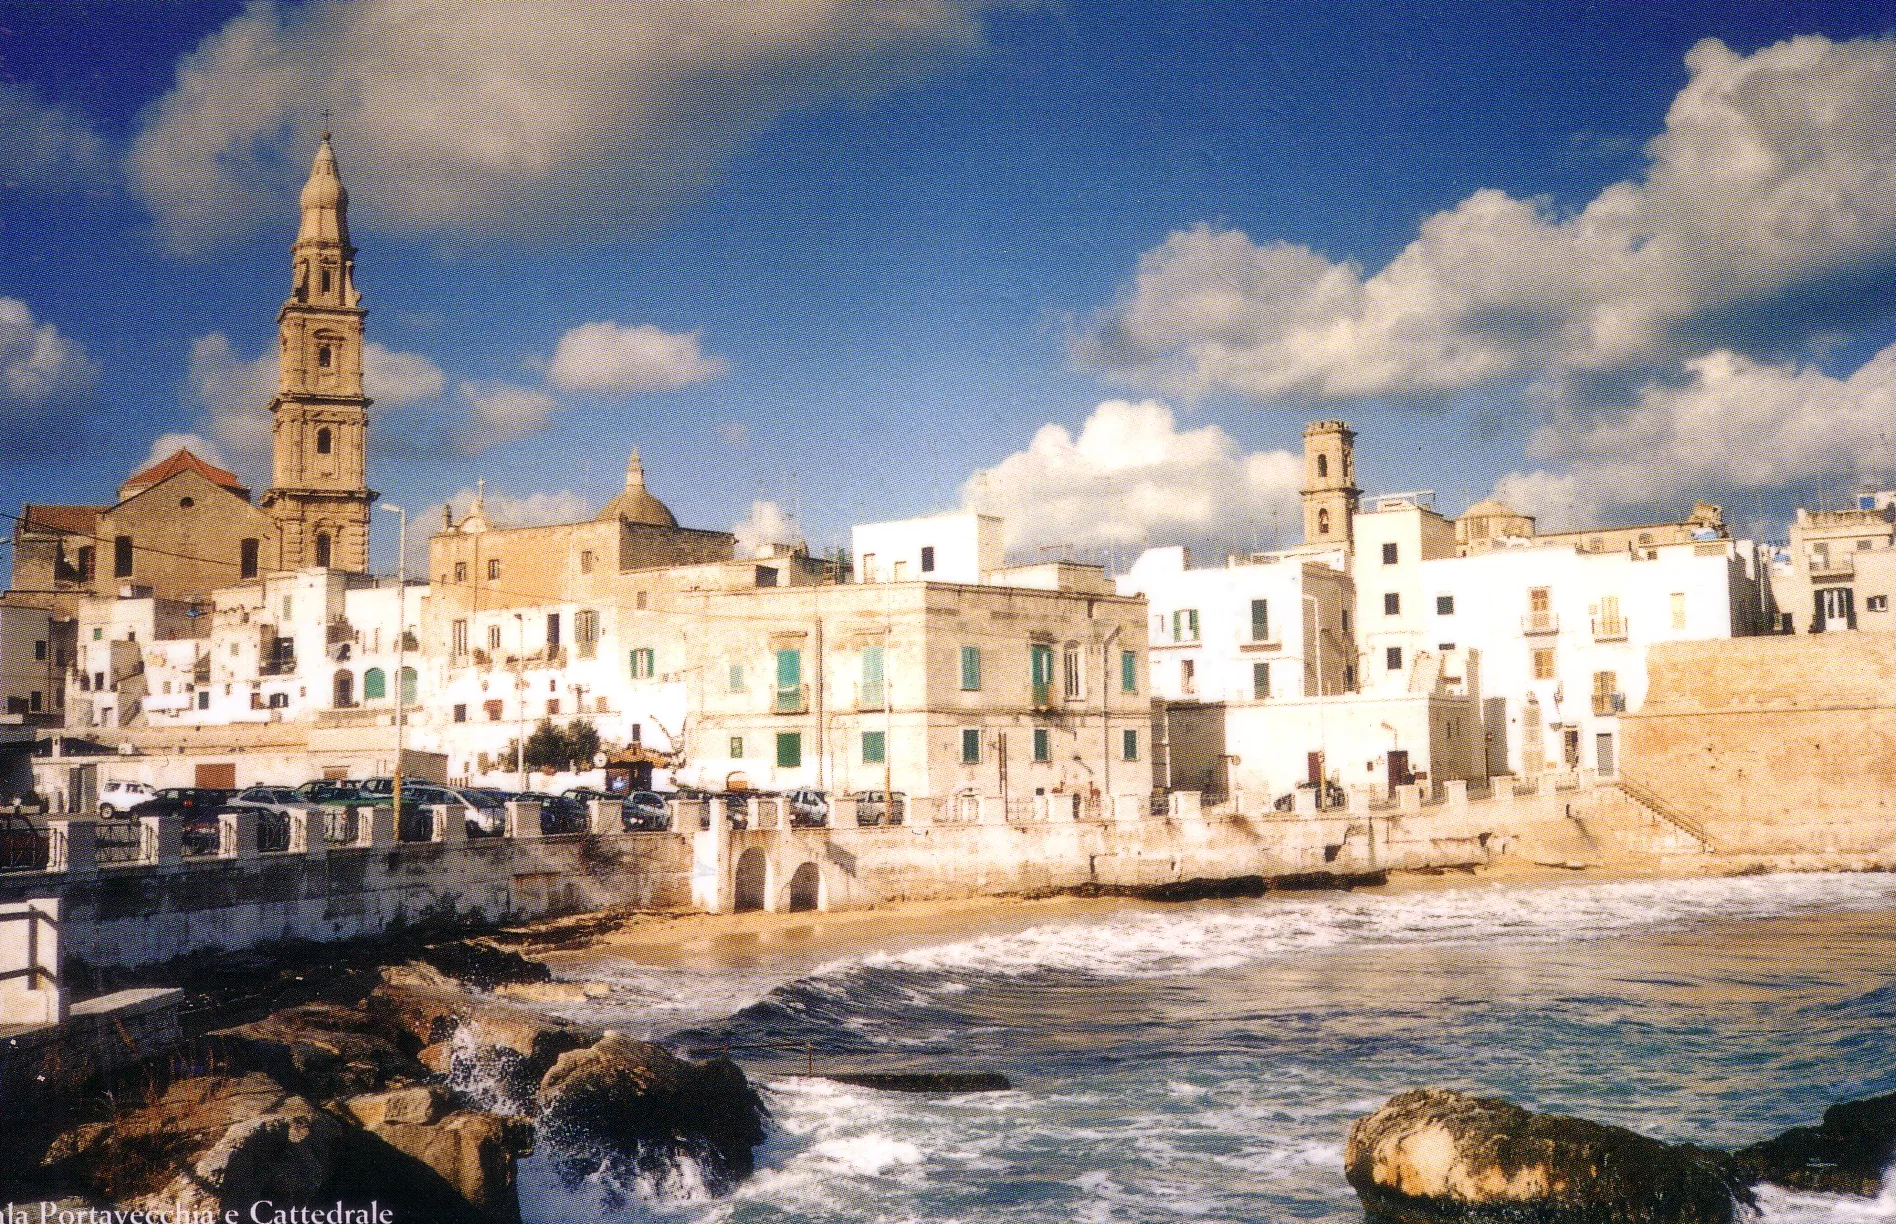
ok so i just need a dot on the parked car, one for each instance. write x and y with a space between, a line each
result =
645 812
274 805
808 808
558 813
116 797
875 808
197 805
334 793
486 816
22 844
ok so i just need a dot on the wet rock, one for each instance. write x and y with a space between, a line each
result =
482 965
1436 1155
323 1049
1848 1153
417 1105
478 1039
648 1106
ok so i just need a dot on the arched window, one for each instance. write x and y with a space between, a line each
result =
322 549
322 356
345 690
408 686
1323 466
374 684
1323 522
323 439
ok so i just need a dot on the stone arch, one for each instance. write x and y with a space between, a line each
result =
325 441
805 886
345 689
324 549
748 887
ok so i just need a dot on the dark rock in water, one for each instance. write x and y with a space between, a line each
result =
1304 881
924 1081
483 966
322 1049
1435 1155
512 1046
1847 1154
641 1103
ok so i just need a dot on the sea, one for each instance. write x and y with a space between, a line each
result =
1204 1062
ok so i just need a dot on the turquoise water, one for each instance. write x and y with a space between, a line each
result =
1204 1062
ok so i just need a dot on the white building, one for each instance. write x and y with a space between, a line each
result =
963 547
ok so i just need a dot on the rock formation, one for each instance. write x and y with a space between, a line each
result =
1848 1153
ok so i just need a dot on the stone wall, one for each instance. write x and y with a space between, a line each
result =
1773 744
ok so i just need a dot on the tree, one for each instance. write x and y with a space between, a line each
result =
554 748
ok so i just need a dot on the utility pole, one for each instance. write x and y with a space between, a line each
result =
401 661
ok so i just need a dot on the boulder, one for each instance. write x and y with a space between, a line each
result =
416 1105
472 1154
431 1014
1848 1153
321 1048
648 1106
1435 1154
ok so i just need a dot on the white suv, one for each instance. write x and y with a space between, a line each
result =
116 797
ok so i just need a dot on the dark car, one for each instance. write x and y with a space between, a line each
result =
22 845
558 813
645 812
875 808
197 805
334 793
486 816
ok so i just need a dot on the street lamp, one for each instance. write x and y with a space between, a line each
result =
401 660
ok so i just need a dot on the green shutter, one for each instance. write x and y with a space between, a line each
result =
970 745
875 748
1129 745
374 684
1128 672
1260 620
737 747
1260 680
970 669
872 687
408 686
789 749
1040 667
1043 744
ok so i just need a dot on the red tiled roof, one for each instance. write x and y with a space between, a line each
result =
181 460
68 520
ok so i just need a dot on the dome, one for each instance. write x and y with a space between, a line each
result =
1490 508
636 504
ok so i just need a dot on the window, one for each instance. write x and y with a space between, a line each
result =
1390 553
1863 545
1605 689
1129 745
493 569
492 710
875 748
408 678
642 662
458 638
247 556
1128 671
204 699
493 637
970 669
460 711
1260 681
1188 677
323 441
586 632
1678 609
970 745
39 651
122 557
325 281
1346 620
789 680
789 749
1444 605
85 563
586 559
868 567
323 358
552 705
1040 673
460 571
639 601
1323 466
928 558
1323 522
552 631
1260 620
1645 537
1876 603
322 549
1185 625
737 748
1544 663
734 678
873 690
1073 675
1043 745
375 686
1392 658
34 699
1392 603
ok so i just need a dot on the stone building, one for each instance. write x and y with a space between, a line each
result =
1841 570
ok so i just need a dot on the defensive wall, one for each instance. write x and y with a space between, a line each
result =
1773 745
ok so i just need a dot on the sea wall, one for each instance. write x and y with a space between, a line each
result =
1775 744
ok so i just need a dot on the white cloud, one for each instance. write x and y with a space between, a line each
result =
1132 477
608 357
1733 424
165 445
769 523
44 145
513 116
236 391
1773 169
37 365
501 412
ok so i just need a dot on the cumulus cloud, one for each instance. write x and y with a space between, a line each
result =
502 412
235 391
507 116
769 523
46 146
1774 170
608 357
1131 477
38 365
165 445
1734 423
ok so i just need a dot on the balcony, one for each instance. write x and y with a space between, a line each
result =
1824 565
1609 628
1605 704
1540 622
792 700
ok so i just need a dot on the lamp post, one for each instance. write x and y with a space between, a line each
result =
520 699
401 660
1323 747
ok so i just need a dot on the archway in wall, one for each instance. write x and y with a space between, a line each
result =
750 881
803 887
345 690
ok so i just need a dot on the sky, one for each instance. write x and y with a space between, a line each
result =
1088 266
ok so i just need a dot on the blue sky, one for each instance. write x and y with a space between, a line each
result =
1089 265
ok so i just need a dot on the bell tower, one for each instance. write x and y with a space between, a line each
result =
319 492
1330 495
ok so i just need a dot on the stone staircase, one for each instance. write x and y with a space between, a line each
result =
1667 813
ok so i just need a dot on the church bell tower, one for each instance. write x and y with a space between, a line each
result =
1330 495
319 492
